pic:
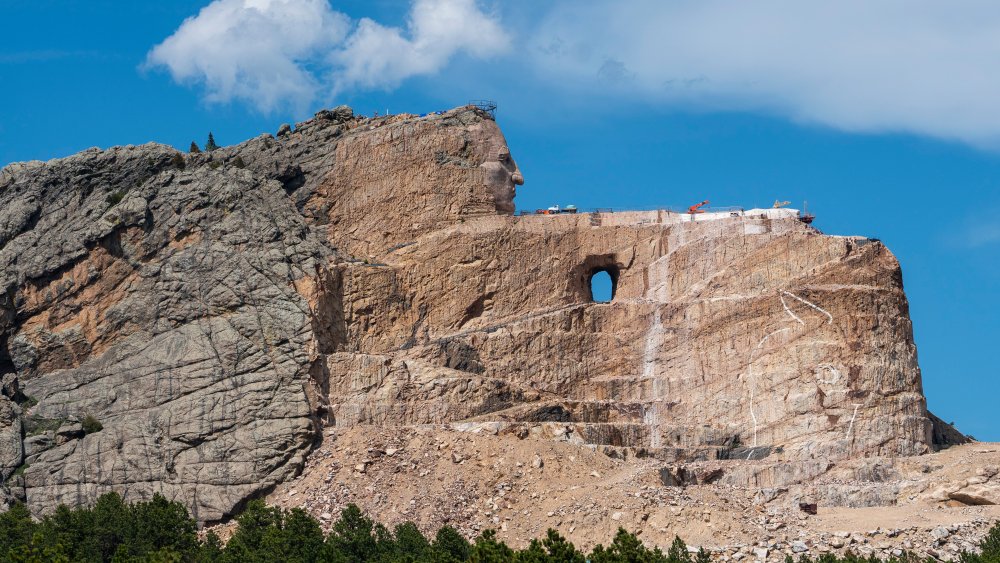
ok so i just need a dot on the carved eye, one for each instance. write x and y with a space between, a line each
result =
503 155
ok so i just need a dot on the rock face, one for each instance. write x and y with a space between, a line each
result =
212 312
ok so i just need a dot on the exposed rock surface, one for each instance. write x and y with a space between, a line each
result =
187 324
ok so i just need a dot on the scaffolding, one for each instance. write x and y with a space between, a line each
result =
489 106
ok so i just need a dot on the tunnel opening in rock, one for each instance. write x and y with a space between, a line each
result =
603 283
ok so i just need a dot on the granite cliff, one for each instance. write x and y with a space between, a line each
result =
196 325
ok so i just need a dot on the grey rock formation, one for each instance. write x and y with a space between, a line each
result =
156 329
161 302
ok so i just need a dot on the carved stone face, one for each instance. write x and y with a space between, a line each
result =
501 175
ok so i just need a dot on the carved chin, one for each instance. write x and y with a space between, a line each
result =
503 198
505 206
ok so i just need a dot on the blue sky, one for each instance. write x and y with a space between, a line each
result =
886 122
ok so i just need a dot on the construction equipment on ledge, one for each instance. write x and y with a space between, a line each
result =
555 210
780 204
696 208
805 216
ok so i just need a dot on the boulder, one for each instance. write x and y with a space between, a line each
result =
978 494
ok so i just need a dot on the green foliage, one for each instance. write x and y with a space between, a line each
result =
410 544
193 149
28 402
35 424
111 530
36 551
295 537
558 549
355 536
210 143
211 549
160 531
990 546
16 526
178 161
90 424
115 197
238 162
451 545
628 547
488 549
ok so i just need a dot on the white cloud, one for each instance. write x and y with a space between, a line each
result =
254 50
272 53
379 56
917 66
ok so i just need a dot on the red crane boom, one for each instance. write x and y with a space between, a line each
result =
696 207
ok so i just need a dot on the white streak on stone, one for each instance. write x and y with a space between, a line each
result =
753 382
789 311
652 414
851 425
814 306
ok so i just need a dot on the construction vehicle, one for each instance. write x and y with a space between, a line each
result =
696 208
780 204
555 210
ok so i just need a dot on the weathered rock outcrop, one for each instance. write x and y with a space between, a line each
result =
185 323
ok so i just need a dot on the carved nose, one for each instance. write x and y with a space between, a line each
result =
517 178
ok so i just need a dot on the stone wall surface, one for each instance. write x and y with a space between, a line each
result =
186 324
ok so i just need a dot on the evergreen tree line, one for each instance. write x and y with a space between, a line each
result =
162 531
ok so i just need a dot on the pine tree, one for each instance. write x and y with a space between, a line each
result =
559 549
451 544
488 549
354 535
194 148
210 143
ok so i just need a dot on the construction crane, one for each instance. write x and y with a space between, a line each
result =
780 204
696 208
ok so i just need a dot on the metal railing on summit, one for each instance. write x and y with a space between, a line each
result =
489 106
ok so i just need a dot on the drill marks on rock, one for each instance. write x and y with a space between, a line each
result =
834 374
653 337
835 377
651 417
752 381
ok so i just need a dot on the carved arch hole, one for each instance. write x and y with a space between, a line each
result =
602 284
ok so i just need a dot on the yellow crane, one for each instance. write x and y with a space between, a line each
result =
779 204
